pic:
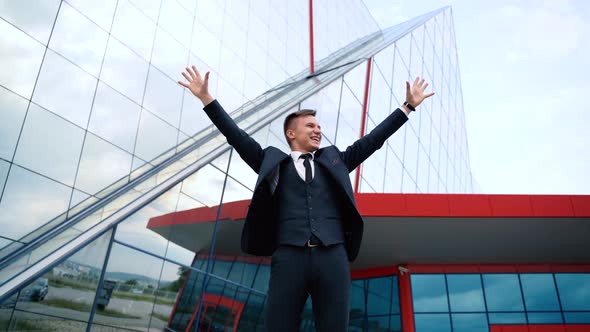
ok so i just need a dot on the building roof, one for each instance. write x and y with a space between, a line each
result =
427 229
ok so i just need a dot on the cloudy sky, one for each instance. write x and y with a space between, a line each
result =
524 69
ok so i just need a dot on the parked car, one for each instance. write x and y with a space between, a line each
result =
36 291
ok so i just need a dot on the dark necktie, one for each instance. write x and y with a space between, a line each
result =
306 157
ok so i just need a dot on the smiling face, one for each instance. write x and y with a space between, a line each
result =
303 133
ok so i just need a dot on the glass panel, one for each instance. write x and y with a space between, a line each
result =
379 96
109 105
357 299
429 293
574 290
379 296
168 55
101 164
50 145
544 317
128 274
516 318
65 89
577 317
164 97
13 109
502 292
68 290
432 322
539 292
23 55
134 29
465 293
124 70
150 145
4 166
154 229
78 39
33 17
30 200
101 13
470 323
384 61
177 21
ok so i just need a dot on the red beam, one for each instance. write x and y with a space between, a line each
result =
311 57
405 302
363 120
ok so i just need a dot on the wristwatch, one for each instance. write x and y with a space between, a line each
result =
409 106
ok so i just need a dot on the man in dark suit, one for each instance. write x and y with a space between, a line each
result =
303 211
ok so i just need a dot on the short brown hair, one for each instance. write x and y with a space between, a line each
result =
292 117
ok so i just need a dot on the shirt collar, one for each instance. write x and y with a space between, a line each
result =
296 154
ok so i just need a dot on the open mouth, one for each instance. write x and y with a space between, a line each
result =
316 139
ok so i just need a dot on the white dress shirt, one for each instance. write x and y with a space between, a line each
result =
299 163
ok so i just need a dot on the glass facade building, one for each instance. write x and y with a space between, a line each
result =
120 203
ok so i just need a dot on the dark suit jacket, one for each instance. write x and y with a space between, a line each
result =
259 235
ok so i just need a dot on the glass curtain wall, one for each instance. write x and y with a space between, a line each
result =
429 154
86 114
472 302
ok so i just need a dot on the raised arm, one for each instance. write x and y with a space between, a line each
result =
245 145
360 150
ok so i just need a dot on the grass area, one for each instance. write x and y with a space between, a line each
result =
139 297
85 307
161 317
60 283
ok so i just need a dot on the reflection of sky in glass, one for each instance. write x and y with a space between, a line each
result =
30 199
465 293
22 55
429 293
13 113
432 323
503 292
574 290
539 292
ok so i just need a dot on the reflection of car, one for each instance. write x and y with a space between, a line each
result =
104 294
36 291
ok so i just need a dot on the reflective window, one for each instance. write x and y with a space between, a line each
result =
134 29
4 166
539 292
432 322
470 323
33 17
507 318
101 164
465 293
23 55
544 317
150 8
177 21
429 293
149 145
168 54
101 13
49 145
163 97
78 39
502 292
30 200
574 290
13 109
114 117
124 70
65 89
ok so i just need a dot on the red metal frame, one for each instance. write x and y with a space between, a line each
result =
363 119
214 301
311 57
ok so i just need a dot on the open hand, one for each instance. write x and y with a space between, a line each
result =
415 95
197 85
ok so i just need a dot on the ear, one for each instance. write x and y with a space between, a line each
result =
290 134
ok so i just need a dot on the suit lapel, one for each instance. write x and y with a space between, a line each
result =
334 165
